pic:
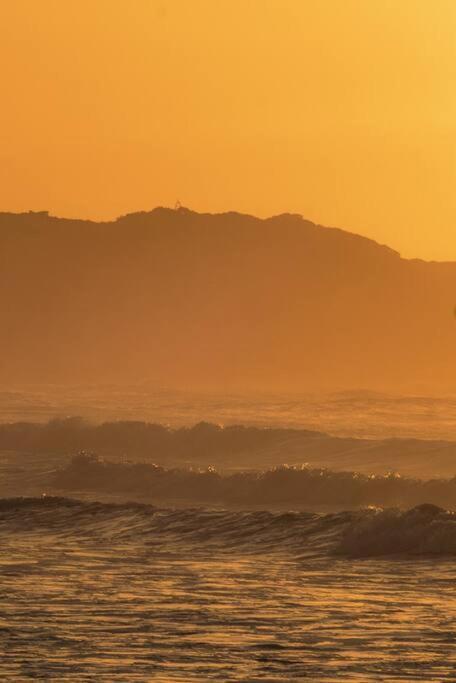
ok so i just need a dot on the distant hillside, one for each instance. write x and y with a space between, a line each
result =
217 301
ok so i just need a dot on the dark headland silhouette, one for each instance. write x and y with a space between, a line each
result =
219 301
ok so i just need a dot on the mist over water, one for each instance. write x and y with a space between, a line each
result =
346 413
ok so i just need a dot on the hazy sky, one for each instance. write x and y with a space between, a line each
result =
341 110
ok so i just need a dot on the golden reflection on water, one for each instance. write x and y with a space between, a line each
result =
83 607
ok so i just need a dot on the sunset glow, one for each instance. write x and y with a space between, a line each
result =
341 110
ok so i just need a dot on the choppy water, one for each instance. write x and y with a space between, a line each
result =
93 592
101 592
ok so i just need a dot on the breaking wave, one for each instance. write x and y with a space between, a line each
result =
203 441
423 530
290 485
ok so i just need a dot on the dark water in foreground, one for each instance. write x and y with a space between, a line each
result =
98 592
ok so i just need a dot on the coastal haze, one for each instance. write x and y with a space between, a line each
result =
226 302
190 404
227 376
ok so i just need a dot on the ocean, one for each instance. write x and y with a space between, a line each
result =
127 592
98 586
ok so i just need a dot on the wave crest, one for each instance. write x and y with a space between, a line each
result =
290 485
423 530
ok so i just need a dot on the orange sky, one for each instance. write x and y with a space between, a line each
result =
341 110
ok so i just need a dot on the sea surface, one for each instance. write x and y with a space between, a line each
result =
115 590
128 592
